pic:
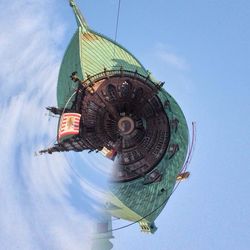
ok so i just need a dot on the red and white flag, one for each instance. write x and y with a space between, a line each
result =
69 125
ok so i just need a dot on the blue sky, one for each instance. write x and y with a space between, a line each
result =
200 49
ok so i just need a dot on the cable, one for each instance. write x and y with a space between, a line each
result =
68 102
174 189
75 172
117 25
117 19
191 148
130 224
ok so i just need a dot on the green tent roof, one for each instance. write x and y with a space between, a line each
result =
89 53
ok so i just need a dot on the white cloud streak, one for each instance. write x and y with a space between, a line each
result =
171 58
36 208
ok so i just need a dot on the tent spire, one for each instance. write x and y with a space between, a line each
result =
79 17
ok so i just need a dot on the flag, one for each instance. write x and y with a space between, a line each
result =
69 125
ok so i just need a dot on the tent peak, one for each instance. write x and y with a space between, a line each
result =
81 22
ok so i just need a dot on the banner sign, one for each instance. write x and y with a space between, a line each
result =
69 125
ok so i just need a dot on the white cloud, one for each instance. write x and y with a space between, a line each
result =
170 58
36 208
